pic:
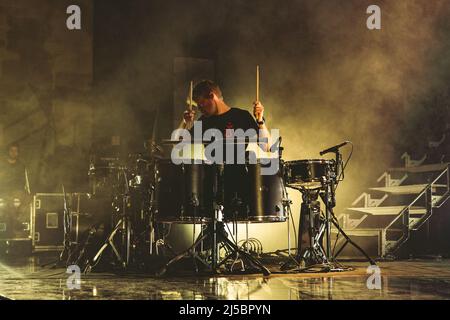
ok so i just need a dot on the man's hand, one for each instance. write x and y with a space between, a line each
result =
258 111
189 116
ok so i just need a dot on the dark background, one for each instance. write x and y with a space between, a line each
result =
325 77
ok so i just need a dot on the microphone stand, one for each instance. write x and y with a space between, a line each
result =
329 198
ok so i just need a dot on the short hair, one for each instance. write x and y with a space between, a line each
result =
12 145
203 88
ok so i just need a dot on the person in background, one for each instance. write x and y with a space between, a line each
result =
14 195
13 173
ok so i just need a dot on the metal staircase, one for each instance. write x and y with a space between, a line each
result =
412 220
391 212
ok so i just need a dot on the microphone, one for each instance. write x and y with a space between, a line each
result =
334 148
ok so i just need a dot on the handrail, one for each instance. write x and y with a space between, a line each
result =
446 195
408 207
427 189
430 198
429 213
430 185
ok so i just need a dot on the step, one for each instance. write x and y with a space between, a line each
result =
365 231
408 189
436 199
388 211
421 169
413 222
360 231
390 244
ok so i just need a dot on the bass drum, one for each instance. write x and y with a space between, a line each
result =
180 193
252 195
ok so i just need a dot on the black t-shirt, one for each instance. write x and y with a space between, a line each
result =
235 178
234 118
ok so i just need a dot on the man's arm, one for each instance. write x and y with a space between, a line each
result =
188 120
258 112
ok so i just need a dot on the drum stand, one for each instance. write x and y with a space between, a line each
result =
312 226
123 225
318 227
215 237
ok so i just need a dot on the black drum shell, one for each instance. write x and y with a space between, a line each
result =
246 194
260 196
308 174
180 193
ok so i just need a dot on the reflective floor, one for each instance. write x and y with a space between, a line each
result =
24 278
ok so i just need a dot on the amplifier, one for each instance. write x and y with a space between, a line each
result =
15 218
15 247
48 221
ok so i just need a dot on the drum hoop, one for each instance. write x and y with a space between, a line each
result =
204 162
309 161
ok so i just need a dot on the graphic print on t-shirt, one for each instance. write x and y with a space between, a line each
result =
228 130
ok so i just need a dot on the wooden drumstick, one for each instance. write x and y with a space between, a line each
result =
191 89
257 83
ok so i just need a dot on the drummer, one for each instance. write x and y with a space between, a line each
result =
216 114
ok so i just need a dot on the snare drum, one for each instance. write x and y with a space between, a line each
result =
307 174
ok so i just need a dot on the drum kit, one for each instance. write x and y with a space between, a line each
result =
150 194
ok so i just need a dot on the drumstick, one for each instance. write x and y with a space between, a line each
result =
191 88
257 83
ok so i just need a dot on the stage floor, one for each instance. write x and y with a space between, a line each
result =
24 278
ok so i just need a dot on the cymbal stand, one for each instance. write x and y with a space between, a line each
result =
124 227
